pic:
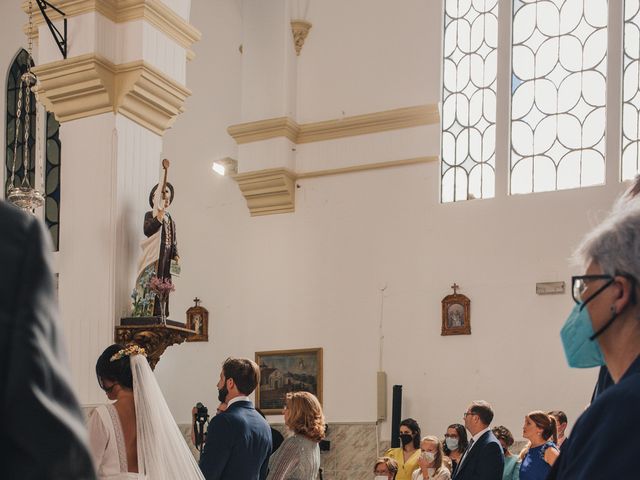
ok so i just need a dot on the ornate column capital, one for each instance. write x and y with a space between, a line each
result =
89 85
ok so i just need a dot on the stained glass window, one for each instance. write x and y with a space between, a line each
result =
52 148
558 85
470 46
52 179
631 91
18 67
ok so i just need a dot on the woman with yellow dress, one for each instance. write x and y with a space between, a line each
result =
406 455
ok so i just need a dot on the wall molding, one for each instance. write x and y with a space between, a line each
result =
268 192
121 11
398 118
88 85
264 130
273 190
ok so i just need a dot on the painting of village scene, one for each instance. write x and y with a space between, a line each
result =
285 371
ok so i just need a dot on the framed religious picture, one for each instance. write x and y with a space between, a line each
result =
284 371
456 317
198 321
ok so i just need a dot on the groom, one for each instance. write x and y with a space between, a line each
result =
239 439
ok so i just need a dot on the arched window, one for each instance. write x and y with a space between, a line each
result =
18 67
52 148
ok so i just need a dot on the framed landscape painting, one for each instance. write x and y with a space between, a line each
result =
284 371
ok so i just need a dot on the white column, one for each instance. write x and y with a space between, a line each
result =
121 86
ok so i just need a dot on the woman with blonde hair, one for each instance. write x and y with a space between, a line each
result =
298 458
430 462
542 452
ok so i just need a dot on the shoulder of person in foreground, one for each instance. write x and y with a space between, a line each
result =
37 392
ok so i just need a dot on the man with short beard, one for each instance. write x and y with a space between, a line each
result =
239 439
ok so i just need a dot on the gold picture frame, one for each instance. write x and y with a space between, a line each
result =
284 371
456 315
198 321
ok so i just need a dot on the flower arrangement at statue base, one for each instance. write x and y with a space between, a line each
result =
162 287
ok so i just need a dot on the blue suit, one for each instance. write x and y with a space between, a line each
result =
603 442
238 445
485 461
43 436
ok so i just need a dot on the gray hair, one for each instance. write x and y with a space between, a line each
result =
615 243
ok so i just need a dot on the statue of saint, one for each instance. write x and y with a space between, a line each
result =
159 251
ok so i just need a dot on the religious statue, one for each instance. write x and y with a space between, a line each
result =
159 253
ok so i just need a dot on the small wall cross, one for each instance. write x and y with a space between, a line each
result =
455 287
196 301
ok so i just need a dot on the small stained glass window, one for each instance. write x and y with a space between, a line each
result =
52 179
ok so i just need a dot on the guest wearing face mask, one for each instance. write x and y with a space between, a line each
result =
603 328
385 469
511 461
407 455
455 444
430 463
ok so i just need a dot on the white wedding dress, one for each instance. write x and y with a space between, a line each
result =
162 451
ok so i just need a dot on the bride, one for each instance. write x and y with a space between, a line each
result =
136 437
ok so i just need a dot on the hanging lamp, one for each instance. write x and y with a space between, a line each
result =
24 195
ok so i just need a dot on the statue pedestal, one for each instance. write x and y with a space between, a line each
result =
152 335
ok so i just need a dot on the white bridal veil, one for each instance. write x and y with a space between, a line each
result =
162 451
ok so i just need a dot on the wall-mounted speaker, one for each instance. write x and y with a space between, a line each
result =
396 413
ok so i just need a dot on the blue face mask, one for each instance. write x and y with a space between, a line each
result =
580 346
452 443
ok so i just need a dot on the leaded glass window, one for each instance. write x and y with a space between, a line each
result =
631 90
470 46
558 86
52 149
18 67
52 179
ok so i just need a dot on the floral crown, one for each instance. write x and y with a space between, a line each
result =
128 351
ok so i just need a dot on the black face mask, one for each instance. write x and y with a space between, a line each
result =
406 439
223 392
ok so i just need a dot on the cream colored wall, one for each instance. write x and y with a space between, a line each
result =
313 278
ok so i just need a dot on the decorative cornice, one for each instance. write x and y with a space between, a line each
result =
268 191
121 11
265 129
273 190
88 85
148 97
78 87
395 119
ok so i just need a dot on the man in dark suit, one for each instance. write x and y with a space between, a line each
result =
238 440
43 435
483 459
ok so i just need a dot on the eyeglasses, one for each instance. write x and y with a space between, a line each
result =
466 414
446 435
580 283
